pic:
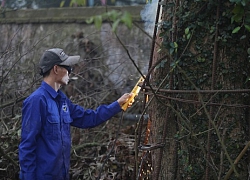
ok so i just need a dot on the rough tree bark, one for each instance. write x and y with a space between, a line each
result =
164 125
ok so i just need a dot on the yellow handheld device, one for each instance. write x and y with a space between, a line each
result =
134 92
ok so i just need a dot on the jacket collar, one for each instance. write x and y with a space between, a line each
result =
52 91
49 89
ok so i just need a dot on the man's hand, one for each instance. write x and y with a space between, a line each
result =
124 98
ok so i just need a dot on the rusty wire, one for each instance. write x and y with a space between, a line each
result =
173 91
199 102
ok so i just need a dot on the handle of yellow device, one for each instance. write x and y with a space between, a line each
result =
134 92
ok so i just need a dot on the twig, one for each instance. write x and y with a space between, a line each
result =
8 157
231 170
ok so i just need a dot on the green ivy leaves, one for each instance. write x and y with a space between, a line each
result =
236 29
241 14
187 33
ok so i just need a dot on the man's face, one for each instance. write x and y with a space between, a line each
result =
63 73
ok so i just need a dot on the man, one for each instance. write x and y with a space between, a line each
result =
47 114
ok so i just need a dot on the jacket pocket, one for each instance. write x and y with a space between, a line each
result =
53 127
67 119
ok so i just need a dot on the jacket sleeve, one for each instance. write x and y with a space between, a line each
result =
88 118
31 125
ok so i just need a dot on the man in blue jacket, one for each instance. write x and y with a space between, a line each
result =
47 114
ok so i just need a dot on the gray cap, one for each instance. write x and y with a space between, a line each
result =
56 56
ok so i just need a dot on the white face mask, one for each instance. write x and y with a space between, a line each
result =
65 79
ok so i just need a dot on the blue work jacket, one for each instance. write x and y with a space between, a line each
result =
44 150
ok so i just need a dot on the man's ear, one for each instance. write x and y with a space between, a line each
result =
55 69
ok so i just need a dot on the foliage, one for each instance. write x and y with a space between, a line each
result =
115 17
241 15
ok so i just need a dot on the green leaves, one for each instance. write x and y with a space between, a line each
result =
116 17
98 21
173 47
241 15
238 12
236 29
240 2
77 2
187 33
127 19
62 3
161 64
247 27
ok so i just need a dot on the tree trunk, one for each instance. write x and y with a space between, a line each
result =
163 126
